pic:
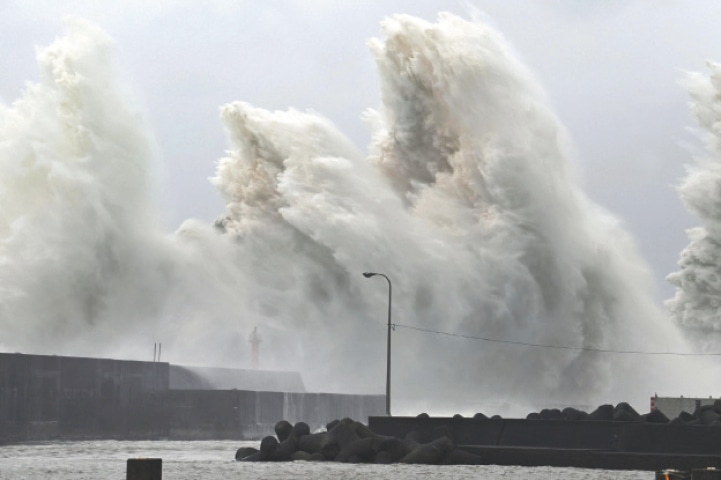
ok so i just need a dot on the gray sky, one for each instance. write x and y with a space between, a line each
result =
611 68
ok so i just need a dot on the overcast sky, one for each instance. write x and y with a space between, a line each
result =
611 68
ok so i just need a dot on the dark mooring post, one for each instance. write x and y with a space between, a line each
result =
144 469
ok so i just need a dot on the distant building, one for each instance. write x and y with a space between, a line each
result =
672 406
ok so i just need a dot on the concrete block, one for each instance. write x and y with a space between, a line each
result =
144 469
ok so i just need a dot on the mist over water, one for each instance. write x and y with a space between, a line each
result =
466 200
697 301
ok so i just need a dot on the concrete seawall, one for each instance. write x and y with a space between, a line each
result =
238 414
64 398
586 444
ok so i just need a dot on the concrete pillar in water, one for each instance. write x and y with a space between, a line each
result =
144 469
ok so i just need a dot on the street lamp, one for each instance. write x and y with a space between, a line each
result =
388 365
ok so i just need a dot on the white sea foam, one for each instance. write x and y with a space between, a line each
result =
467 201
697 301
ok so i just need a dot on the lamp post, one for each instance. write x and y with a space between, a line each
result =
388 362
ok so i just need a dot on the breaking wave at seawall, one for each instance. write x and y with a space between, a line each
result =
74 186
85 267
697 301
466 201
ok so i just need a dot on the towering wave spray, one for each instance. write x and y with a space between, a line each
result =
696 305
85 269
74 192
466 202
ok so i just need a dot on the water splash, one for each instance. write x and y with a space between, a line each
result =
74 196
698 296
466 202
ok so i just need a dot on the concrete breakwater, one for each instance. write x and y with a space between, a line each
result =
70 398
610 437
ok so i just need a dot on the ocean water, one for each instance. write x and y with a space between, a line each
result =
214 460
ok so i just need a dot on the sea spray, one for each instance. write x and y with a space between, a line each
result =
466 202
480 217
696 303
86 270
73 190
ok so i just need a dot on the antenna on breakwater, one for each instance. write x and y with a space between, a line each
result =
157 348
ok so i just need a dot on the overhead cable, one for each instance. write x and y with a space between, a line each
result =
558 347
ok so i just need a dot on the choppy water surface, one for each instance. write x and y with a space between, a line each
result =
214 460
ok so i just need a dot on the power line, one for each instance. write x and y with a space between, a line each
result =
558 347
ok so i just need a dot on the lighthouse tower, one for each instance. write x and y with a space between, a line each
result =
255 342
